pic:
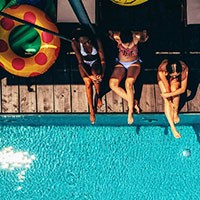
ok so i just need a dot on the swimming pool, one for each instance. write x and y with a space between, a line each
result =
61 157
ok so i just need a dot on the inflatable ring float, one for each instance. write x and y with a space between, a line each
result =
24 50
129 2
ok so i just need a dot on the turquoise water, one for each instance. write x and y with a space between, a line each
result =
51 157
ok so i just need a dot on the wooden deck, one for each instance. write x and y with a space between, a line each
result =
61 90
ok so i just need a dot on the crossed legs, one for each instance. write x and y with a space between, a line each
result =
171 108
175 100
127 94
169 112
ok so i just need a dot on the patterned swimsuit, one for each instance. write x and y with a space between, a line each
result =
128 52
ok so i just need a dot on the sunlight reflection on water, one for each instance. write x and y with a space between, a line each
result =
11 159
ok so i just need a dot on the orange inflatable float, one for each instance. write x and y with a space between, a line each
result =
24 50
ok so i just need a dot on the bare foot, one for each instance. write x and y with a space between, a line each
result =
92 117
130 118
137 109
99 103
176 134
176 118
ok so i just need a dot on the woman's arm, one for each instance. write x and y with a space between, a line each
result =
140 36
77 51
101 56
183 87
162 75
114 35
78 55
164 80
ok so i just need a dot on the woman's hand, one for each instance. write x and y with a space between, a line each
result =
144 36
110 34
96 78
166 95
99 77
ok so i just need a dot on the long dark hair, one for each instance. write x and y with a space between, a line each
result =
171 69
84 31
126 36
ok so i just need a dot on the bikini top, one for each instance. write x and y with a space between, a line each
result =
83 53
133 51
88 56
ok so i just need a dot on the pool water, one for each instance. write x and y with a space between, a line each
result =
58 157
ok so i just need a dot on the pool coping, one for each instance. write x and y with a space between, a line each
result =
102 119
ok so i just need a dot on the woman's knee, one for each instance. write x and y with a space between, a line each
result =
113 83
174 86
88 83
129 84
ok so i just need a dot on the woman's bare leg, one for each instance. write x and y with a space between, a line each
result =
96 71
97 96
176 105
115 80
89 93
176 100
137 106
169 113
114 86
130 98
132 74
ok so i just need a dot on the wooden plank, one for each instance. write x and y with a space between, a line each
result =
147 101
183 103
194 105
79 99
184 108
45 98
27 99
62 97
10 96
114 102
125 106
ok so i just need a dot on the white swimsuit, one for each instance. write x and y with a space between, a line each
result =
90 63
93 55
128 64
83 53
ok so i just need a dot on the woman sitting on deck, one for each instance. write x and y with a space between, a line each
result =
91 63
172 80
127 63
